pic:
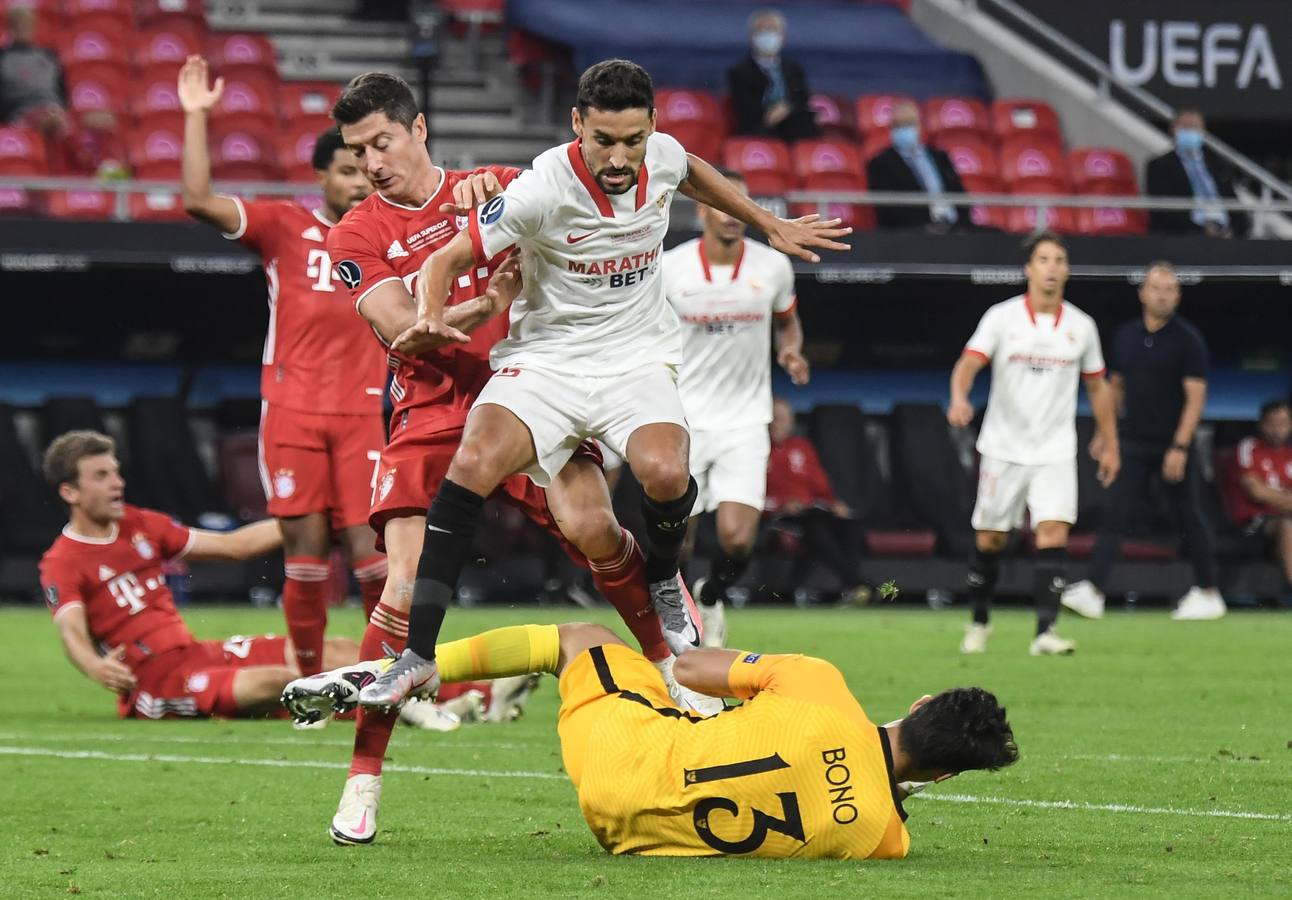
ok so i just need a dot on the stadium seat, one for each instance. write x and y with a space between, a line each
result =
826 157
875 143
834 116
1027 219
1103 167
239 458
156 206
874 112
121 10
928 478
22 151
98 87
70 413
824 165
697 119
307 99
30 516
165 470
1009 117
249 101
96 205
94 39
243 51
243 154
296 147
944 117
167 43
150 12
765 163
16 201
155 146
155 92
970 154
1110 220
1024 156
985 216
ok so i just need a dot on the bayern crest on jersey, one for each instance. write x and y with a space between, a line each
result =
144 547
284 483
387 482
197 683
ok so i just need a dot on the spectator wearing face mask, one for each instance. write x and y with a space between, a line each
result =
769 92
911 166
1191 170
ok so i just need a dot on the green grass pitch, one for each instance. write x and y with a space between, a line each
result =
1155 762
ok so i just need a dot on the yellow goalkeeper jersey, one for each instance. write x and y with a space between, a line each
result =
797 771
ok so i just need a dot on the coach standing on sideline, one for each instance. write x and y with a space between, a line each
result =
1159 381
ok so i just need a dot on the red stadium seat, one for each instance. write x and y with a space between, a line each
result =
1026 219
697 119
296 147
1110 220
875 112
1031 156
1091 166
157 206
1023 115
243 154
239 457
859 216
156 145
80 204
825 157
121 10
167 43
980 215
969 153
155 92
955 116
149 12
244 51
834 116
22 151
249 100
99 40
307 99
765 163
17 201
874 143
97 87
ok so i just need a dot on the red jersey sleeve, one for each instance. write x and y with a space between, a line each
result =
173 539
360 264
257 223
62 585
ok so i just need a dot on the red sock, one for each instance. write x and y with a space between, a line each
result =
305 608
372 730
621 577
370 572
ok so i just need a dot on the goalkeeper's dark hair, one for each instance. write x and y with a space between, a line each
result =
1036 240
325 148
614 85
958 730
374 92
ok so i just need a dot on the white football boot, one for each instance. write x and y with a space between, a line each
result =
1084 599
408 676
975 639
1047 643
686 699
713 618
355 821
312 699
679 619
507 697
428 716
1200 605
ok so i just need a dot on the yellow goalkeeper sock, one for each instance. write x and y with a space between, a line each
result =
514 650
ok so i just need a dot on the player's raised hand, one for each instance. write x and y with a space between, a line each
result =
471 192
113 673
794 237
426 335
795 365
194 94
506 284
959 413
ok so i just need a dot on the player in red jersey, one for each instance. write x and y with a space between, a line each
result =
1262 502
417 208
321 382
117 619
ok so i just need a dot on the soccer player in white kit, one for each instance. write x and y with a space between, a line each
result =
593 348
1039 347
730 293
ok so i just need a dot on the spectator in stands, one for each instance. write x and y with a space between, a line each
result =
911 166
1158 369
1263 504
1191 170
769 92
800 499
32 94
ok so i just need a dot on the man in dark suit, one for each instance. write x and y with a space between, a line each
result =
908 165
768 92
1191 170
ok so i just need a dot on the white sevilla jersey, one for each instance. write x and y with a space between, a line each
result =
1037 360
593 302
726 315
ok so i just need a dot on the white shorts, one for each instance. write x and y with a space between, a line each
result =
1005 490
562 411
730 466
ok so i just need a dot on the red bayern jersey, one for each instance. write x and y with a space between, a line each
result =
118 580
1272 465
317 358
380 241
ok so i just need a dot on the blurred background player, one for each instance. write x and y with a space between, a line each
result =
1159 385
378 249
593 349
1039 348
322 377
730 294
1263 502
798 770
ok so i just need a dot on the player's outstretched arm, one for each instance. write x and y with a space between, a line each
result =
960 410
247 542
706 670
109 670
705 184
434 282
197 100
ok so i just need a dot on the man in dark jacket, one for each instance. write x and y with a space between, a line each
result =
770 93
910 165
1191 170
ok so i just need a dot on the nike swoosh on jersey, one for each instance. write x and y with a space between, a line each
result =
571 239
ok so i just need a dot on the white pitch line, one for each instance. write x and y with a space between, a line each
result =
1123 757
274 763
479 773
143 736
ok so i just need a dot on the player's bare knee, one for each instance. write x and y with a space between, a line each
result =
305 535
662 476
594 531
991 541
738 541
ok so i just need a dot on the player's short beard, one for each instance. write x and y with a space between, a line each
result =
628 185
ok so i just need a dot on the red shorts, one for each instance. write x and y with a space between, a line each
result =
197 680
312 463
413 465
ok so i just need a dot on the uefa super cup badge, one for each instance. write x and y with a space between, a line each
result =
143 546
284 483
